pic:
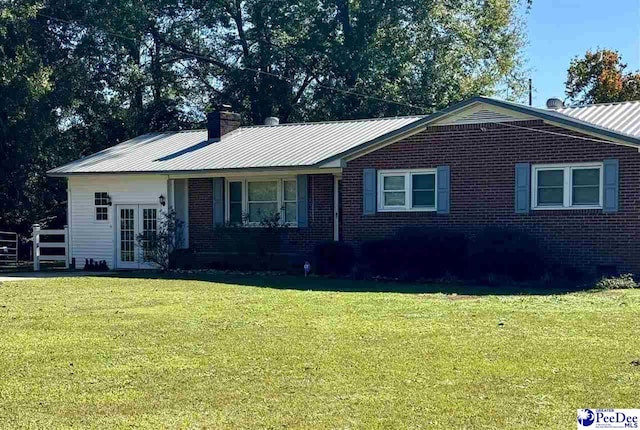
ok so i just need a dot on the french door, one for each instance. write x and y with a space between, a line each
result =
132 222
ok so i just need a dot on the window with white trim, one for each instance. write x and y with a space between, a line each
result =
289 201
568 186
407 190
253 200
101 201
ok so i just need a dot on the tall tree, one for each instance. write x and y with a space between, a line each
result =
601 77
77 76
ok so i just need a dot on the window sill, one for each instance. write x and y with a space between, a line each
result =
407 209
562 208
256 225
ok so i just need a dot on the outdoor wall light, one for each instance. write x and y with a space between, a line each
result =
163 200
108 199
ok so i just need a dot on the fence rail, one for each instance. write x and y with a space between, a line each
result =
38 245
8 248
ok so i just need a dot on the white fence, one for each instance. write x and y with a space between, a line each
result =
8 248
38 245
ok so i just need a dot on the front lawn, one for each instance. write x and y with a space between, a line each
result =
149 353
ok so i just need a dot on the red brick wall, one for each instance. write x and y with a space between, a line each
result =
482 161
202 234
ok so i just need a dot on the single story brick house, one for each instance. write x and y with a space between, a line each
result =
568 176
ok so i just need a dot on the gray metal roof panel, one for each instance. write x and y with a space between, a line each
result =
623 117
285 145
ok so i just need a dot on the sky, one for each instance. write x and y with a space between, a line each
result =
559 30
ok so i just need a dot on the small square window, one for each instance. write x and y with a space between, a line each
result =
102 213
101 199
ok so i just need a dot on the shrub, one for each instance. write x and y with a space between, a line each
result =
333 258
617 282
157 246
506 252
416 252
432 252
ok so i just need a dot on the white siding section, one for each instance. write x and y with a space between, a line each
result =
96 239
482 113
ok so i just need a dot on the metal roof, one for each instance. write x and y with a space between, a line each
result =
543 114
621 117
285 145
310 144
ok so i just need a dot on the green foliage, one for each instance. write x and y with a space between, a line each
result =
624 281
259 244
158 246
600 77
77 76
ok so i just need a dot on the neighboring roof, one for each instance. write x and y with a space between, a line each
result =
307 145
623 117
285 145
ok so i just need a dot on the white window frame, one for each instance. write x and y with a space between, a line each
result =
567 187
408 181
95 208
245 196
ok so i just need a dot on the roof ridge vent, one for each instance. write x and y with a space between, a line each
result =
555 103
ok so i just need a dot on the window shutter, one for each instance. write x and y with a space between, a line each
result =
218 201
523 187
444 189
369 191
610 186
303 200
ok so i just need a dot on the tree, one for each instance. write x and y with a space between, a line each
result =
77 76
600 77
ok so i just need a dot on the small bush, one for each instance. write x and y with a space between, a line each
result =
416 252
617 283
333 258
506 252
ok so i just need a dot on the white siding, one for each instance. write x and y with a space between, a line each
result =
481 114
96 239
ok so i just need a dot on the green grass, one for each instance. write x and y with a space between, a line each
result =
153 353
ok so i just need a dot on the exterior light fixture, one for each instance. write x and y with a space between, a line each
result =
163 200
109 200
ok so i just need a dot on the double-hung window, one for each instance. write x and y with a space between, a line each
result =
407 190
253 201
262 200
569 186
101 201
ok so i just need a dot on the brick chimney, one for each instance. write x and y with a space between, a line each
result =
222 122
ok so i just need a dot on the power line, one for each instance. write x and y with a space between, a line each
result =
250 69
554 133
